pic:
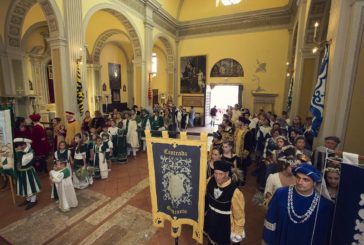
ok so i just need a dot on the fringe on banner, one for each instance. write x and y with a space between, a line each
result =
80 94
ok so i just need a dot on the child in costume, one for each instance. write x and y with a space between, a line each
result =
63 154
108 146
61 177
81 176
101 170
27 181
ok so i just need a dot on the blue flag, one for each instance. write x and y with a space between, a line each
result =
318 97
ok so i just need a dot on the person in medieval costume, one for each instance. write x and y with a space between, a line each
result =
40 143
132 136
81 177
243 144
101 169
298 214
108 146
224 214
6 164
63 154
156 123
27 181
144 125
62 179
72 126
113 132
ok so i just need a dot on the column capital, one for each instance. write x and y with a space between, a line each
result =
57 42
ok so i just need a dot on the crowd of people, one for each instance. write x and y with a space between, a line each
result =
288 171
81 151
297 184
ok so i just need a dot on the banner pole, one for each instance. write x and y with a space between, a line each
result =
176 241
12 189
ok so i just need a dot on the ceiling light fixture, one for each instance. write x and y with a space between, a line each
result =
227 2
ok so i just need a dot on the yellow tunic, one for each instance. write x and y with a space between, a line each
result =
239 137
72 129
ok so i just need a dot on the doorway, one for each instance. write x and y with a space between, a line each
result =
222 96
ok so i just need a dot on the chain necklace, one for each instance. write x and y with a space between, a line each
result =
293 216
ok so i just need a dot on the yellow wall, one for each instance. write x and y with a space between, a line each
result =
161 80
35 39
171 6
355 130
100 22
112 54
4 5
34 15
307 87
266 46
192 9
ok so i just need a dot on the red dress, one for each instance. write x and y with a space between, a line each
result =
40 142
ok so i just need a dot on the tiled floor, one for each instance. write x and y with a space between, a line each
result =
125 193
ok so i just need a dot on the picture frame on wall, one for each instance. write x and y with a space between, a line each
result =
196 101
193 74
50 72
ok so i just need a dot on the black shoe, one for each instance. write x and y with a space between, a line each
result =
25 202
30 205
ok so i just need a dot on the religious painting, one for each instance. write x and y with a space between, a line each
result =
115 94
227 68
114 76
193 74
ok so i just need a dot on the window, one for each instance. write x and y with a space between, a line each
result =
154 63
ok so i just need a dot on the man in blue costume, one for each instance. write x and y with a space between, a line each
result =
298 214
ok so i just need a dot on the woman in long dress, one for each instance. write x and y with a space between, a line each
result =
62 179
132 136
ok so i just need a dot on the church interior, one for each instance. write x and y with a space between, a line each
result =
99 55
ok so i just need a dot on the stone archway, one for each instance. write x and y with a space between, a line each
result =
169 52
121 15
100 43
16 16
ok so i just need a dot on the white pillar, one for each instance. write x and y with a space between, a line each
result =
345 32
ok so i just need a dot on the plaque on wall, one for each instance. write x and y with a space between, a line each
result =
196 101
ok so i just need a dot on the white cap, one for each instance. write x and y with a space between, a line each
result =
25 140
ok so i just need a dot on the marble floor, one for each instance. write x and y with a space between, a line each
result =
112 211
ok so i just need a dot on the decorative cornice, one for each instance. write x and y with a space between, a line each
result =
272 18
275 17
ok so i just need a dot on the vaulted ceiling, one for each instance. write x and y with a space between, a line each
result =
187 10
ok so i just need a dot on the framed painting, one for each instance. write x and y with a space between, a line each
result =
227 68
114 76
196 101
193 74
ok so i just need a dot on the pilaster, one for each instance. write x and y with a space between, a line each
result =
345 32
76 48
147 57
302 12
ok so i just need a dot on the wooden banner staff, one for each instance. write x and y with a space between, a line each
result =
12 189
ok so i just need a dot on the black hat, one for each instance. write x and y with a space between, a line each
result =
244 120
222 166
217 135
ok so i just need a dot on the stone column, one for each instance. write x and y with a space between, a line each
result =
130 75
64 86
345 32
76 47
176 76
147 56
302 11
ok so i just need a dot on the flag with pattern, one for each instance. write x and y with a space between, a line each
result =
318 97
